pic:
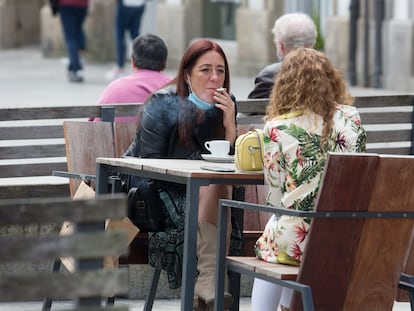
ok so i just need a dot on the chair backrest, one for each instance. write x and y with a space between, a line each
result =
355 264
86 141
124 133
88 244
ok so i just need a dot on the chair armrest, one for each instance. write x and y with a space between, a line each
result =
74 175
315 214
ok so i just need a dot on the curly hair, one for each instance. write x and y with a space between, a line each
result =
308 81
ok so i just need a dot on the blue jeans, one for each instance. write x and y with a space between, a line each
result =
126 19
72 19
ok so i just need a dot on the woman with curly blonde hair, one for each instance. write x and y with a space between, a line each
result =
310 113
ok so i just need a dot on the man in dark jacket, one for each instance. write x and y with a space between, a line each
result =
290 31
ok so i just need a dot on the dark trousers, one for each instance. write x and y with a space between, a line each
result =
72 19
126 19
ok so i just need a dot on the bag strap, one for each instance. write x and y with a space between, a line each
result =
259 138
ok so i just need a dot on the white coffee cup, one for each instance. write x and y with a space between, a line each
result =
218 148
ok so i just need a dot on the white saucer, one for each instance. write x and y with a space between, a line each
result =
211 158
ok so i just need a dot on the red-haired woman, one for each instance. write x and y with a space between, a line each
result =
175 122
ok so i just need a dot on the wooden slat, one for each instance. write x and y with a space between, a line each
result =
64 209
385 117
124 133
77 245
388 136
31 169
383 101
127 109
259 105
34 190
36 113
278 271
85 141
33 151
31 132
394 151
242 120
64 285
69 112
252 105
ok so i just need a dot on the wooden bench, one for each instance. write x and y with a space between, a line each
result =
32 147
358 242
387 119
88 245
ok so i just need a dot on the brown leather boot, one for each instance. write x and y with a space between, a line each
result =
206 266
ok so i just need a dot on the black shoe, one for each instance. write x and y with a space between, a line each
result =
74 76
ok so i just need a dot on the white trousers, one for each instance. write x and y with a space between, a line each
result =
267 296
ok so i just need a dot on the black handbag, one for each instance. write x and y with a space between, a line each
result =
54 6
145 206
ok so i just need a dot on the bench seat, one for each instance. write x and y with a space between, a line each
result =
33 186
277 271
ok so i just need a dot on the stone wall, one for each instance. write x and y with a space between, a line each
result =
398 56
337 42
18 25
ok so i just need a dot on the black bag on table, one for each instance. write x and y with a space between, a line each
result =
144 204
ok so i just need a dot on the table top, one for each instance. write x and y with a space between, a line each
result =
181 167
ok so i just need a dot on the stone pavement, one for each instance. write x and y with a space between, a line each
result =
134 305
137 305
28 79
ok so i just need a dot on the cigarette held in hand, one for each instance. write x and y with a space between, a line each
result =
221 89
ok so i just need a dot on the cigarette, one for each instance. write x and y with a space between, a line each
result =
221 89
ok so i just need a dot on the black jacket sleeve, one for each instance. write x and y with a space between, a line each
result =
157 122
264 81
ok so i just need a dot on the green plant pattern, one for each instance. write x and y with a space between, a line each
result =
294 160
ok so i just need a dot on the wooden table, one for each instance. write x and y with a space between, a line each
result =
180 171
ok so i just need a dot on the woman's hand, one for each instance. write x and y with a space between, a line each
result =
226 104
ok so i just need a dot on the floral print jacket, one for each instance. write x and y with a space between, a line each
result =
293 165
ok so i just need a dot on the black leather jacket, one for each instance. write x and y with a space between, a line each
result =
264 81
157 137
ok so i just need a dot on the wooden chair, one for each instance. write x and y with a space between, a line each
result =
86 141
88 244
358 242
124 133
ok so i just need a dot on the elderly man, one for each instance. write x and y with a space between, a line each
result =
290 31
